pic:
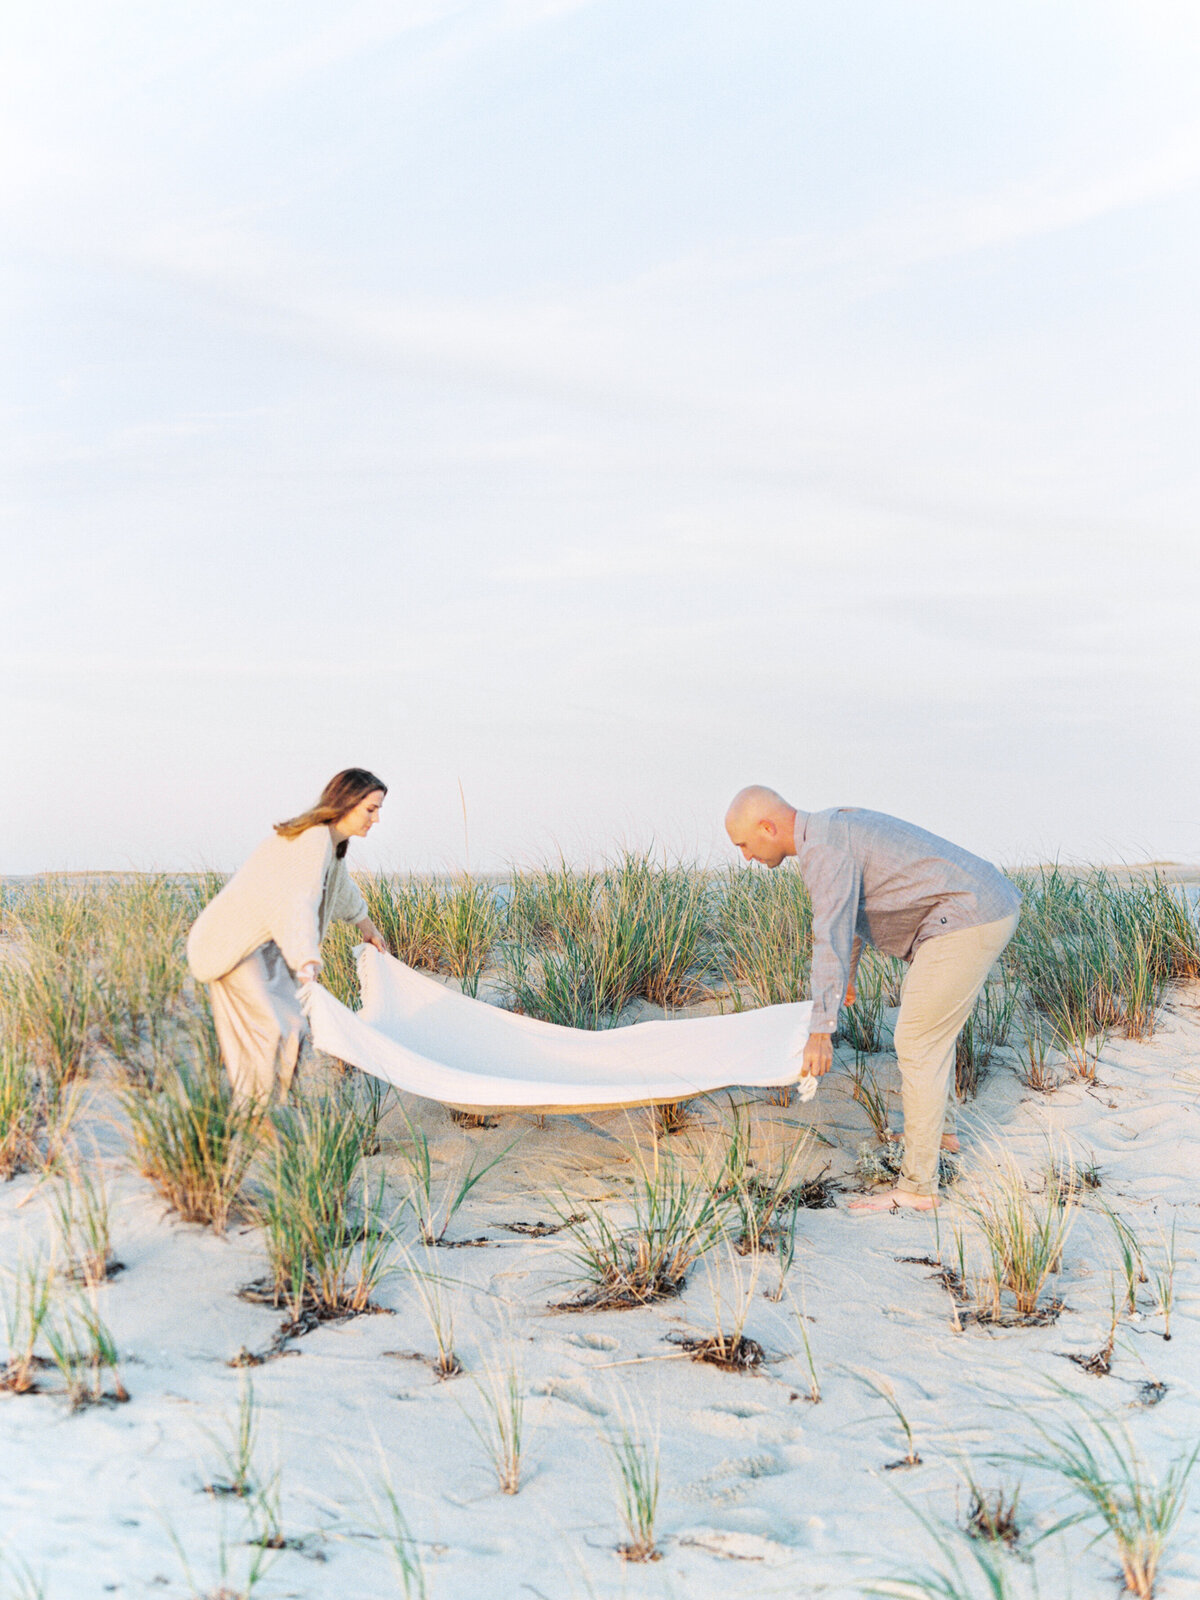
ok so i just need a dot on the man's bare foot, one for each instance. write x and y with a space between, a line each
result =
892 1200
950 1142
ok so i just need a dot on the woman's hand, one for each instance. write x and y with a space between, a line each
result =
371 935
308 972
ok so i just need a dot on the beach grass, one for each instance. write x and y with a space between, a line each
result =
500 1427
762 936
761 1185
80 1207
21 1111
884 1389
671 1218
984 1034
328 1244
236 1475
187 1132
1116 1489
1024 1233
84 1351
637 1477
27 1299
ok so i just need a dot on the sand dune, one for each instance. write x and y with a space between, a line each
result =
763 1492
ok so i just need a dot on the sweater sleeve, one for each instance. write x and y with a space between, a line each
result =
835 884
346 903
297 902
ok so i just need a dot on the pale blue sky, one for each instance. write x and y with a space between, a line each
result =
602 404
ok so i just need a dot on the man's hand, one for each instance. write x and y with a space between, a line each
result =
818 1056
308 972
849 1000
371 934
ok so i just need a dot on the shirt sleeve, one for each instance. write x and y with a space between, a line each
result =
346 901
295 920
835 883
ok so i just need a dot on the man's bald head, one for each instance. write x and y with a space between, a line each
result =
762 824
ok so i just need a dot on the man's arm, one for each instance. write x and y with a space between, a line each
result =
851 987
834 882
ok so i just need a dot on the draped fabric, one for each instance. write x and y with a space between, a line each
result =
420 1036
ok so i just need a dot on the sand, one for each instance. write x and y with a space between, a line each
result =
763 1492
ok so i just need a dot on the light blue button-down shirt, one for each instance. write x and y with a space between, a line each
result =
892 885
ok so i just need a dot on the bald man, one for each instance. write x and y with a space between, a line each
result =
876 880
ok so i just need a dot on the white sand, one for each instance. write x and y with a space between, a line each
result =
763 1493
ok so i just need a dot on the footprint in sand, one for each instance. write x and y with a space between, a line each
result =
728 1482
732 1546
736 1421
572 1393
593 1341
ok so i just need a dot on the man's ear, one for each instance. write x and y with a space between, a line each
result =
768 827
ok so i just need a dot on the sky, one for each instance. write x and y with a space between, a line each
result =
572 410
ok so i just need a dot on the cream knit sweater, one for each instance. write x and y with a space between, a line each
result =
289 890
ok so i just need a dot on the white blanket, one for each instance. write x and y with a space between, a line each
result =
420 1036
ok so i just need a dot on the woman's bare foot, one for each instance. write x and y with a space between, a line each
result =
893 1200
950 1142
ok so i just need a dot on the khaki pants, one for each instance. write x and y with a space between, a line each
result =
259 1024
941 986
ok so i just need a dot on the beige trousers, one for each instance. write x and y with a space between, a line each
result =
941 986
259 1024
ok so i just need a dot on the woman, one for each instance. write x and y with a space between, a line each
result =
262 934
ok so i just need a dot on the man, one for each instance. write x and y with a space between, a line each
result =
947 913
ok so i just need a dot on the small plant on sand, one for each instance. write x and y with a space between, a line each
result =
1024 1234
1162 1276
763 1189
190 1136
27 1301
1099 1460
676 1217
229 1585
971 1568
728 1345
870 1097
439 1309
992 1515
1133 1261
885 1390
1099 1362
435 1197
985 1032
636 1475
236 1450
670 1117
884 1163
85 1353
21 1581
785 1250
501 1429
81 1213
326 1243
861 1024
405 1553
1033 1065
20 1108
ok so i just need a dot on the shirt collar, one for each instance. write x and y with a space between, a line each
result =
800 831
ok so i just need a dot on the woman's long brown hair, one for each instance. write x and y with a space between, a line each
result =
341 794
